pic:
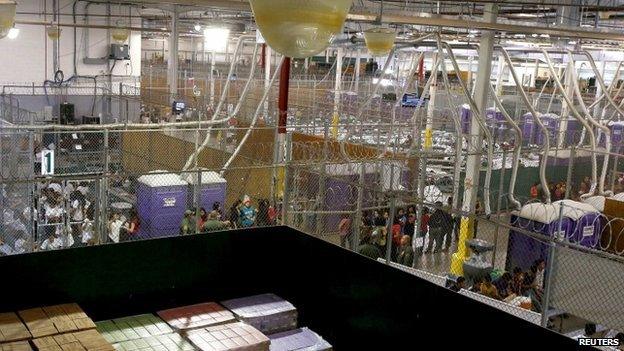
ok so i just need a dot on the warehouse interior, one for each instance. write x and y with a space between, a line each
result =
476 145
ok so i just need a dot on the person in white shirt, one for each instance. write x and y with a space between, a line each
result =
114 227
54 241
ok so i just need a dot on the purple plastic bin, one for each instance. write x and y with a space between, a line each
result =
551 122
268 313
161 202
298 339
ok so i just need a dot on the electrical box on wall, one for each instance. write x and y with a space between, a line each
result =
119 52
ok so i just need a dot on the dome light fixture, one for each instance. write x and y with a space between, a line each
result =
379 41
53 32
300 28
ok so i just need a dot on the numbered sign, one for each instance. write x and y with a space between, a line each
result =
47 162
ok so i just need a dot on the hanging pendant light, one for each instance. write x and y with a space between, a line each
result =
53 32
119 33
300 28
7 16
379 41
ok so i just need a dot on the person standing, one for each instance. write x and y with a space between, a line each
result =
114 227
247 213
436 227
406 252
344 230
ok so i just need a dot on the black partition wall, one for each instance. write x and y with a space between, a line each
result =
354 302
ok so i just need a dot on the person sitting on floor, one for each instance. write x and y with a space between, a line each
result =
459 284
368 249
488 289
503 285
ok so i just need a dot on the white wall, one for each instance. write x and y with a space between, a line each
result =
23 59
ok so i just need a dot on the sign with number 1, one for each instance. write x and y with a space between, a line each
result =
47 162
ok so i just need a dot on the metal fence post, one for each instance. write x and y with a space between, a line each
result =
389 227
355 240
196 196
550 265
286 196
103 218
570 171
498 205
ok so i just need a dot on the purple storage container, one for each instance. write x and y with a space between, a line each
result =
298 339
523 250
268 313
212 189
161 202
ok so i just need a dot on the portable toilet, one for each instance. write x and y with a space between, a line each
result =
161 202
617 134
551 122
574 130
586 220
528 129
543 219
212 188
466 116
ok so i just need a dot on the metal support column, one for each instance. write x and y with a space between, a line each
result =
473 162
338 84
267 78
172 62
357 71
284 84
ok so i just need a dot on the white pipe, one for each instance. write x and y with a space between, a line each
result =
575 113
486 131
458 139
224 90
410 80
537 120
517 148
254 120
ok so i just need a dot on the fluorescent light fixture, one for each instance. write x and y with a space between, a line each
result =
215 39
13 33
197 27
526 15
544 35
473 31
